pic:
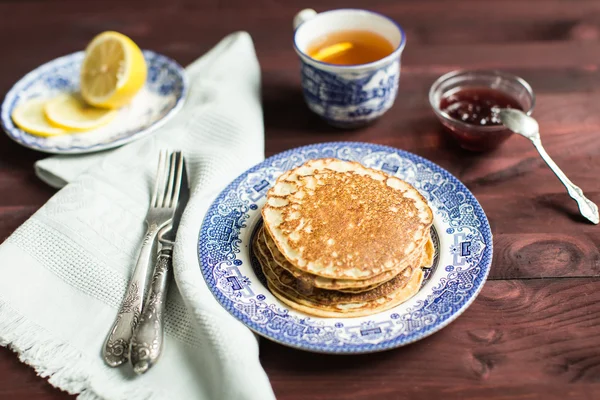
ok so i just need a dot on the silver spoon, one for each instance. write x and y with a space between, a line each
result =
519 122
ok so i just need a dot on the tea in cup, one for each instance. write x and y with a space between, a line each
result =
350 64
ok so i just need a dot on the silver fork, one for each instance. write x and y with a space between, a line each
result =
161 211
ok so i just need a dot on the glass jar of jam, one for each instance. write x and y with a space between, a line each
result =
467 103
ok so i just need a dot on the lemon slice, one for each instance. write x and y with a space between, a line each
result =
69 111
113 70
30 117
332 50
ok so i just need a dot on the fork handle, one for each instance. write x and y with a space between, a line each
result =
147 342
116 347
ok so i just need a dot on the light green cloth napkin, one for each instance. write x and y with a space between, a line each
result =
65 271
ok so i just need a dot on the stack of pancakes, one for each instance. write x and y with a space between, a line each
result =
340 239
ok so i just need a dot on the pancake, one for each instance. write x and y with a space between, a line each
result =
346 285
339 220
296 289
356 309
428 254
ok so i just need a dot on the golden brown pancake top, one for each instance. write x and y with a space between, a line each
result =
338 219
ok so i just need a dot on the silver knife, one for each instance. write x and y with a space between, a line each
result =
148 338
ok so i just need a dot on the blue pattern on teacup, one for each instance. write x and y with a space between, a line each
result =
162 96
462 237
350 98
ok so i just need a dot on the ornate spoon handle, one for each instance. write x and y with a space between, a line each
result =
587 208
116 347
147 341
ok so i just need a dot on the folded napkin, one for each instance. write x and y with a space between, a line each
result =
64 271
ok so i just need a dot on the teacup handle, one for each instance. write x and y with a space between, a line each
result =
303 16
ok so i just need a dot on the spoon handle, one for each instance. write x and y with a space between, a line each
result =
587 208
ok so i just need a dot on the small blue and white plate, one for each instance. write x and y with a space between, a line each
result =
161 97
461 234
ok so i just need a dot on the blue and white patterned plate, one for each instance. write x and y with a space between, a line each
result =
462 238
161 97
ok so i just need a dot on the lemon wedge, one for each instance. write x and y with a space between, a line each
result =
69 111
30 117
332 50
113 70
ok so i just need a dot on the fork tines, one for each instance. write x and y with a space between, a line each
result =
168 180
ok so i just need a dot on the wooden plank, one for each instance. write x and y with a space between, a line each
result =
545 255
30 191
20 382
461 36
433 13
530 339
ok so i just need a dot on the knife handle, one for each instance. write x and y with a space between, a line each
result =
147 341
116 348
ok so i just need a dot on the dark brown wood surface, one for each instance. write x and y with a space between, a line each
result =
534 331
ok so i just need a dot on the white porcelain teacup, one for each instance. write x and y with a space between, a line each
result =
348 95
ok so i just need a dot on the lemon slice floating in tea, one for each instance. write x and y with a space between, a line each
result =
30 117
69 111
332 50
113 70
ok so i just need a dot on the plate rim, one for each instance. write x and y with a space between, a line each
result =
34 73
485 263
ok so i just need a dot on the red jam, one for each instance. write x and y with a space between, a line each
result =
477 107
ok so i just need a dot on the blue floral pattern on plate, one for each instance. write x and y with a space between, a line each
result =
162 96
462 238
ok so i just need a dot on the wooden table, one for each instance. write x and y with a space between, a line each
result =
534 331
